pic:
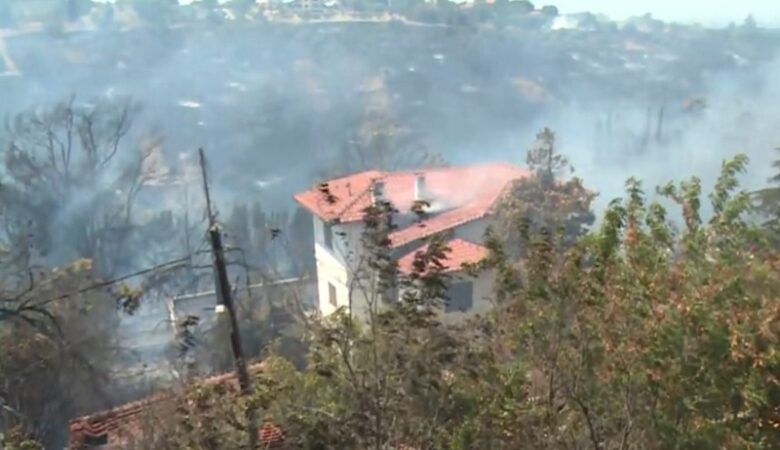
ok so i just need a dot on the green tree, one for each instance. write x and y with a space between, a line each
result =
642 337
545 200
59 344
769 199
15 439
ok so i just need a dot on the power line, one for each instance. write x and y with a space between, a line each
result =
113 281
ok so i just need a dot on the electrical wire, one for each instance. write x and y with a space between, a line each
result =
103 284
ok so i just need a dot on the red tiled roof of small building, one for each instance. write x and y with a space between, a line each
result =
99 424
462 194
460 252
270 436
126 417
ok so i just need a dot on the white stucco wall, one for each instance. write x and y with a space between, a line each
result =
335 266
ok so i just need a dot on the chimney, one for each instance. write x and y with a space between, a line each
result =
377 191
419 187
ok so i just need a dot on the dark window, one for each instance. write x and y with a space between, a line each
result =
328 236
461 297
332 296
95 441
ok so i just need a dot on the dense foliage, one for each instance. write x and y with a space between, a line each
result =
639 335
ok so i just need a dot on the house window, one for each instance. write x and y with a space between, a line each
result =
461 297
332 296
328 229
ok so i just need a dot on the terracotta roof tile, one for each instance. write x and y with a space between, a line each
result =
457 195
343 198
270 436
460 252
126 417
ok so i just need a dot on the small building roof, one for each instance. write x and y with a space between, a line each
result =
127 418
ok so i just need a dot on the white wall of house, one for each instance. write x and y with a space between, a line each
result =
338 262
336 259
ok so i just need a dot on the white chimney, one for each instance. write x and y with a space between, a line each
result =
419 187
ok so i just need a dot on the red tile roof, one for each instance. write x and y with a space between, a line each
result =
270 436
348 197
126 418
460 252
461 194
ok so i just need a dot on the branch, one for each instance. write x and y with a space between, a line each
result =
594 438
120 130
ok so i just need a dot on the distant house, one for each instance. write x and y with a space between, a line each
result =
461 201
125 425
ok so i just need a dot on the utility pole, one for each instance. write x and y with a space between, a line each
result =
225 298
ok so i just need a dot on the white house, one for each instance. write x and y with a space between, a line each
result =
461 200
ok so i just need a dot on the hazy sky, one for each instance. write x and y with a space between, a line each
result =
705 11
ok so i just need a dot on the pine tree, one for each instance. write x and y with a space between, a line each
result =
546 200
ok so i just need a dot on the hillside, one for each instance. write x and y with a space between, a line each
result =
269 95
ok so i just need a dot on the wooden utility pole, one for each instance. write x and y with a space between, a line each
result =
225 298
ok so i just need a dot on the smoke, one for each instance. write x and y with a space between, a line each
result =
273 104
740 117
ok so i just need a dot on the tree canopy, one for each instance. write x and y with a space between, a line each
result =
639 334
